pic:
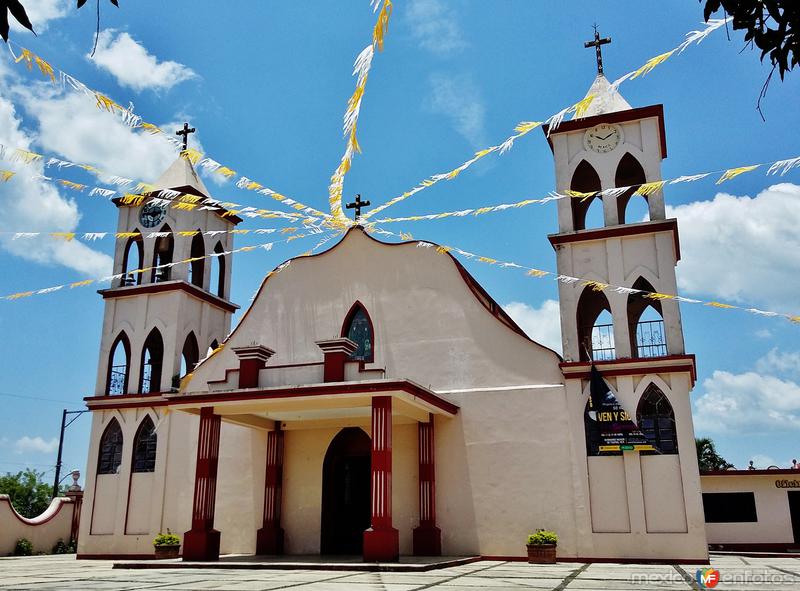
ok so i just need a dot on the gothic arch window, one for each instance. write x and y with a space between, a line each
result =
144 447
585 180
595 326
132 260
119 365
646 323
212 347
109 457
217 283
190 354
629 173
152 363
656 420
358 328
162 255
197 268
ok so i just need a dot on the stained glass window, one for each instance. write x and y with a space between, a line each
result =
144 447
360 332
110 449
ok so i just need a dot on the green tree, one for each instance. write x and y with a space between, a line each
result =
28 492
707 455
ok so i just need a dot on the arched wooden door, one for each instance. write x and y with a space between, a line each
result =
346 492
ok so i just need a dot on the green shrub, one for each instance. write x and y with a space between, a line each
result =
62 548
542 536
167 539
23 548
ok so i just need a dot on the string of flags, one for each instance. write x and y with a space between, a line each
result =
578 109
130 191
361 69
780 167
94 236
117 276
134 121
579 282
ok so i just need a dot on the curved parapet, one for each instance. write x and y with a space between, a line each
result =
56 523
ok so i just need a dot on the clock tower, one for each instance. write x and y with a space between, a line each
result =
635 342
160 322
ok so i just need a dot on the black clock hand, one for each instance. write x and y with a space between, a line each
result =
605 138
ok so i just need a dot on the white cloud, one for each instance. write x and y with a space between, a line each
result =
130 63
434 27
458 98
762 461
763 333
35 444
41 12
32 205
778 362
747 403
542 324
762 236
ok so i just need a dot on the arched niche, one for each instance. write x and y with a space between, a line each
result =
197 267
595 326
629 173
144 447
656 419
152 363
646 322
358 328
109 456
132 260
586 180
119 365
216 283
163 252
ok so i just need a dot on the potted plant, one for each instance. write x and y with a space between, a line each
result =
542 547
167 545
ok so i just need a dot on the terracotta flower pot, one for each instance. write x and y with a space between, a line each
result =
541 553
167 551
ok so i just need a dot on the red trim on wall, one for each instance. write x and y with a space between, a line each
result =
33 521
616 117
683 363
746 472
165 286
670 225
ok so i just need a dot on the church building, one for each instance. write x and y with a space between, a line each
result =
375 400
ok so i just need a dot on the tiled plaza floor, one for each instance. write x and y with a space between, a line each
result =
737 573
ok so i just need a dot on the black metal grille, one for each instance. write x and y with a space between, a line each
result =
650 339
116 381
600 342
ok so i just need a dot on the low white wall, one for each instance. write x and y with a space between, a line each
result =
43 531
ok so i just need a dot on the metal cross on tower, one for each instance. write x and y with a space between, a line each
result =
357 205
596 44
185 133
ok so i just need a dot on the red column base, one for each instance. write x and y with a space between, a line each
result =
381 545
201 545
427 541
269 540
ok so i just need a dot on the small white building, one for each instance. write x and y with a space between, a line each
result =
752 510
375 399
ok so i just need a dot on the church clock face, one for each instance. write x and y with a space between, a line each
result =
602 138
151 215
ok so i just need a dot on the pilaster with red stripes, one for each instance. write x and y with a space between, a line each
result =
202 541
381 540
427 537
269 539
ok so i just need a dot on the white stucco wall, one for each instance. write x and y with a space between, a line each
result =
43 531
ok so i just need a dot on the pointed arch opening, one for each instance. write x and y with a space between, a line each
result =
629 173
217 277
152 363
212 347
646 322
595 326
197 268
586 180
358 328
109 457
656 420
190 354
346 492
163 251
144 447
133 260
119 365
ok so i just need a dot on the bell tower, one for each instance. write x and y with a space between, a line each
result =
161 321
610 320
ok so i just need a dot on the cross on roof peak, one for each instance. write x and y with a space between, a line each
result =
596 43
357 205
185 133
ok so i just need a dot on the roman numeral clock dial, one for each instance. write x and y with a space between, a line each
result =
602 138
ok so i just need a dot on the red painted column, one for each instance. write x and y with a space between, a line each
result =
336 354
202 541
427 537
252 360
269 539
381 540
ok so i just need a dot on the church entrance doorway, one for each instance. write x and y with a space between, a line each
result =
346 492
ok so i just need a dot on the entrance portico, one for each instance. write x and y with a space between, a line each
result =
373 405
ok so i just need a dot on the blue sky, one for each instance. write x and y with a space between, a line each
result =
266 85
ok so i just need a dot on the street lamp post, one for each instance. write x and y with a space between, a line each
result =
64 425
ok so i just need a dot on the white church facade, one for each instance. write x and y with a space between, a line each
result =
375 400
